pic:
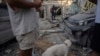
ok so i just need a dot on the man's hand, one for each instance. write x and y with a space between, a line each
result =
38 9
93 1
37 3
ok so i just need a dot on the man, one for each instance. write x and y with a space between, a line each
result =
95 41
24 22
53 12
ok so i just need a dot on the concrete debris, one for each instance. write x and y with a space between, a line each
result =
51 31
52 36
40 46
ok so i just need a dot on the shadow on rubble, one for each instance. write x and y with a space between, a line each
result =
9 49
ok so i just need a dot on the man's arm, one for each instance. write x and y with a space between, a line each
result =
93 1
24 4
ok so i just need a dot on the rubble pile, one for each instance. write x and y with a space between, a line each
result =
48 39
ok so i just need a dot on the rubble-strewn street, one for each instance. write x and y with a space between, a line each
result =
52 35
59 20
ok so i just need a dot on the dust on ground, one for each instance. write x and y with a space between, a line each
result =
11 48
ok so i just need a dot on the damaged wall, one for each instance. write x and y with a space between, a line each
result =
85 5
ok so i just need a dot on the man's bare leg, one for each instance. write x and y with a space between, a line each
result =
25 52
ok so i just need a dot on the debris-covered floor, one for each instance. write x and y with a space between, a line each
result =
11 48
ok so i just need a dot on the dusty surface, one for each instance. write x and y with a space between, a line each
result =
11 48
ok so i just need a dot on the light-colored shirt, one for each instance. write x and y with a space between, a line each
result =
97 20
24 20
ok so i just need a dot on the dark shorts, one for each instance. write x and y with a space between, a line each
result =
95 41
